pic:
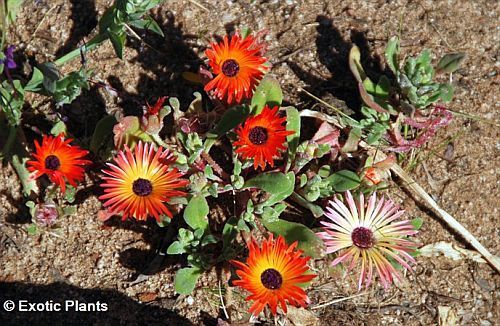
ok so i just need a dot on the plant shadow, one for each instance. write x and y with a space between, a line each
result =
333 52
164 59
84 16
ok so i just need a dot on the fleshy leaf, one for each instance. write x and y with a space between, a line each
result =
417 223
344 180
102 131
196 213
35 83
291 231
231 119
292 124
352 142
118 41
355 64
176 248
279 185
450 62
267 93
185 280
58 128
392 52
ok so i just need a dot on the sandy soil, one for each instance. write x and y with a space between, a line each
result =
309 40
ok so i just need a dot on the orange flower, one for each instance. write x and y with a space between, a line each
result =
239 66
372 175
272 274
261 137
60 161
140 183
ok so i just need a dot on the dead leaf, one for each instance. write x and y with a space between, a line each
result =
447 316
147 296
450 250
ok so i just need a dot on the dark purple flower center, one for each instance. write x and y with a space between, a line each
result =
52 162
258 135
362 237
271 279
230 68
142 187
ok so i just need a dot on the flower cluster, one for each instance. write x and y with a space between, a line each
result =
161 166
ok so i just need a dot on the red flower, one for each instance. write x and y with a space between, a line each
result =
152 119
155 109
273 274
238 65
60 161
261 137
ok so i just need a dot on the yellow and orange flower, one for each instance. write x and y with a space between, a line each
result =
273 275
262 137
60 161
139 183
238 65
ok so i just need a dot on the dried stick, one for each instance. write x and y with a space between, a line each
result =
338 300
450 220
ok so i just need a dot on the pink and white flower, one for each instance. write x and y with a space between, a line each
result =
369 235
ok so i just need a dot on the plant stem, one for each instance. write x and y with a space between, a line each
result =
216 167
92 44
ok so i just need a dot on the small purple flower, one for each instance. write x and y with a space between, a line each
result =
8 61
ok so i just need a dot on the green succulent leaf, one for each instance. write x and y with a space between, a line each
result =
185 279
35 84
70 193
12 8
450 62
291 231
176 248
12 101
279 185
355 64
383 87
417 223
32 229
18 160
446 92
292 124
196 213
148 23
102 131
352 142
267 93
118 41
392 53
58 128
50 76
344 180
233 116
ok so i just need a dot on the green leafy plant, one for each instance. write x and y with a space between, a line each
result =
390 105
